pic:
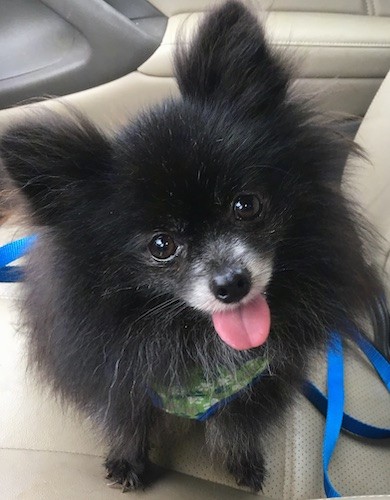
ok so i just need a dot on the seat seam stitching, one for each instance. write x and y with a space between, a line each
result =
51 451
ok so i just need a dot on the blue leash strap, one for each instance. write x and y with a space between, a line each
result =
333 405
334 413
349 423
11 274
11 252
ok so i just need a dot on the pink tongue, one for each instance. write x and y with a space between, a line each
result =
246 326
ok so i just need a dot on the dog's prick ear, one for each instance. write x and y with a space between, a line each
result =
51 157
229 59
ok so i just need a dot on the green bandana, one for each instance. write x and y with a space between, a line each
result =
199 399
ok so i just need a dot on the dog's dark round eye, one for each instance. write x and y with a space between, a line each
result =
162 246
246 207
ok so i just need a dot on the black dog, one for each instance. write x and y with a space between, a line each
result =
210 232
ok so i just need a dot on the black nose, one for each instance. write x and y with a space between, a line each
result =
231 285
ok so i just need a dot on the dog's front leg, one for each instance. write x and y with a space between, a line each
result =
234 436
128 437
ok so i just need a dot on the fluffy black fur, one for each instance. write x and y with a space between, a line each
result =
105 320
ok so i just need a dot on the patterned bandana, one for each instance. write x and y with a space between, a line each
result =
200 399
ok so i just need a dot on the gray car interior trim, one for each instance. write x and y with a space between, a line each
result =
57 47
143 14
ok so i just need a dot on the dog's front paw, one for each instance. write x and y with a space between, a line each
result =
124 474
249 473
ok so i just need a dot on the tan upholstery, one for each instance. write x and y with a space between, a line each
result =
373 181
347 39
76 478
316 39
110 104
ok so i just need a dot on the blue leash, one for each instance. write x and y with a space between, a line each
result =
11 252
332 406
